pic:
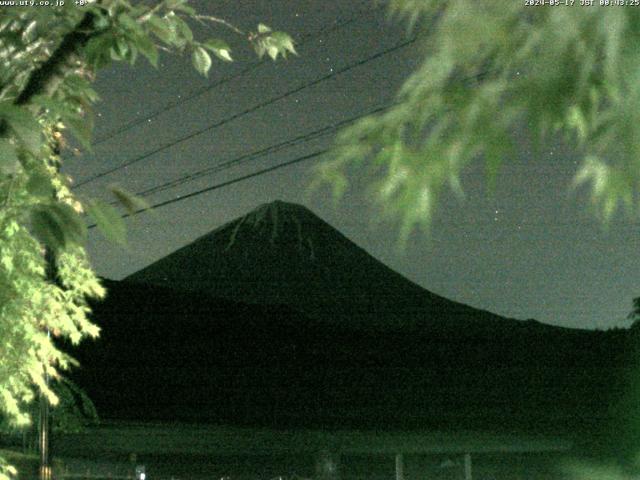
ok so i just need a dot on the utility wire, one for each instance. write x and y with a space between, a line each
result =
303 158
315 134
311 135
251 110
327 129
188 178
251 156
223 184
201 91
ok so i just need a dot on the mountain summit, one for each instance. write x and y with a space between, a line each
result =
282 253
277 318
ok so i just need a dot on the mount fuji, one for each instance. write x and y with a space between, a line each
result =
282 253
277 318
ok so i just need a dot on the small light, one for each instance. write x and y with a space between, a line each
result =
141 472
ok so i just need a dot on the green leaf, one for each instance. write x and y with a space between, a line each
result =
80 124
272 51
132 54
148 49
284 42
97 51
30 32
81 127
39 185
101 20
219 48
577 121
176 39
262 28
24 125
70 221
260 48
56 107
161 28
121 47
9 162
57 225
81 87
108 221
273 44
129 24
131 202
47 229
201 60
183 29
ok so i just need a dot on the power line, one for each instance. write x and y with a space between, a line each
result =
258 173
171 105
256 154
325 130
224 184
251 110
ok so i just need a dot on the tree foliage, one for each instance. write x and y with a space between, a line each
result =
491 67
49 58
73 412
634 315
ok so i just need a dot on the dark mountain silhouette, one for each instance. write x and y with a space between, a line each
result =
169 355
277 319
281 253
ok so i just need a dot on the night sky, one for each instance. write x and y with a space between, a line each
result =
532 250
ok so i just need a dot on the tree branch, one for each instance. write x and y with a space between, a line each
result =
45 78
221 21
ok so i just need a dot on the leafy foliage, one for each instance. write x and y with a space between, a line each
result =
49 59
272 43
634 315
490 67
74 410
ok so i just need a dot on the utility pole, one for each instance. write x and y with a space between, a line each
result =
399 466
44 422
467 466
43 432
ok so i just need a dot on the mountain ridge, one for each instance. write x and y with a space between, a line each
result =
171 355
276 318
283 253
